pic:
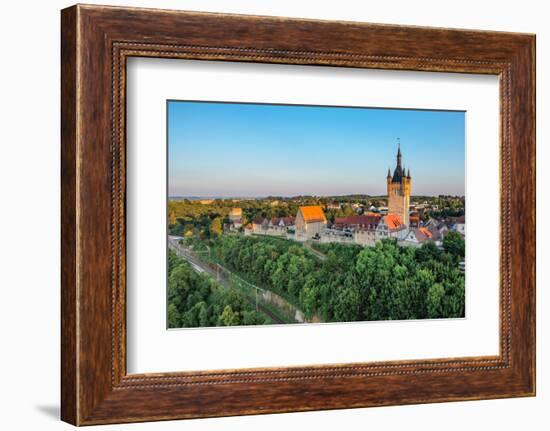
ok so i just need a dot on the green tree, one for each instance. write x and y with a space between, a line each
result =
453 302
173 316
428 251
229 317
172 217
203 317
436 293
309 296
417 293
216 226
454 244
347 304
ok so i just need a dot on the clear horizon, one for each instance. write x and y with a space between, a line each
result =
236 150
295 196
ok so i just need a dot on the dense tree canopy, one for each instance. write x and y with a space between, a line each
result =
454 244
197 300
353 283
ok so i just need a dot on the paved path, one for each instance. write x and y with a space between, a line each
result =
316 253
307 244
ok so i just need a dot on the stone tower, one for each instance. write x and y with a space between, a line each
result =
399 190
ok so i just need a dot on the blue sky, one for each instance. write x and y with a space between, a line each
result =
252 150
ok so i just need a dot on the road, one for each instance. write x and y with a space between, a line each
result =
316 253
201 267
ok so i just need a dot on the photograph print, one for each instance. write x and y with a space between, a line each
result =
299 214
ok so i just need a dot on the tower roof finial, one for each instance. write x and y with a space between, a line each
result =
399 154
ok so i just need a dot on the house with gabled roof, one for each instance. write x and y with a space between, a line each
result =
279 225
414 219
367 220
361 229
249 229
459 225
391 226
260 224
416 237
437 228
235 214
310 222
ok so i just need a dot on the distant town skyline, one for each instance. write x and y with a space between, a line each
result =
237 150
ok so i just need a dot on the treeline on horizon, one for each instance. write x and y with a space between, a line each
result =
385 282
327 197
206 220
196 300
194 218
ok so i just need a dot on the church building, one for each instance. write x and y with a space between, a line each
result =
399 191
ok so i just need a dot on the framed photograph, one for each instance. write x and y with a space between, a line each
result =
267 215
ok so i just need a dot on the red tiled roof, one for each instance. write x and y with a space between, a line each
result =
425 232
422 234
358 220
288 220
393 221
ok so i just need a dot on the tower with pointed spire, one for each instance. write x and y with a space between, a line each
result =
399 190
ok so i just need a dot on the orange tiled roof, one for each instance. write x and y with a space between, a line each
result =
235 211
393 221
313 213
425 232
